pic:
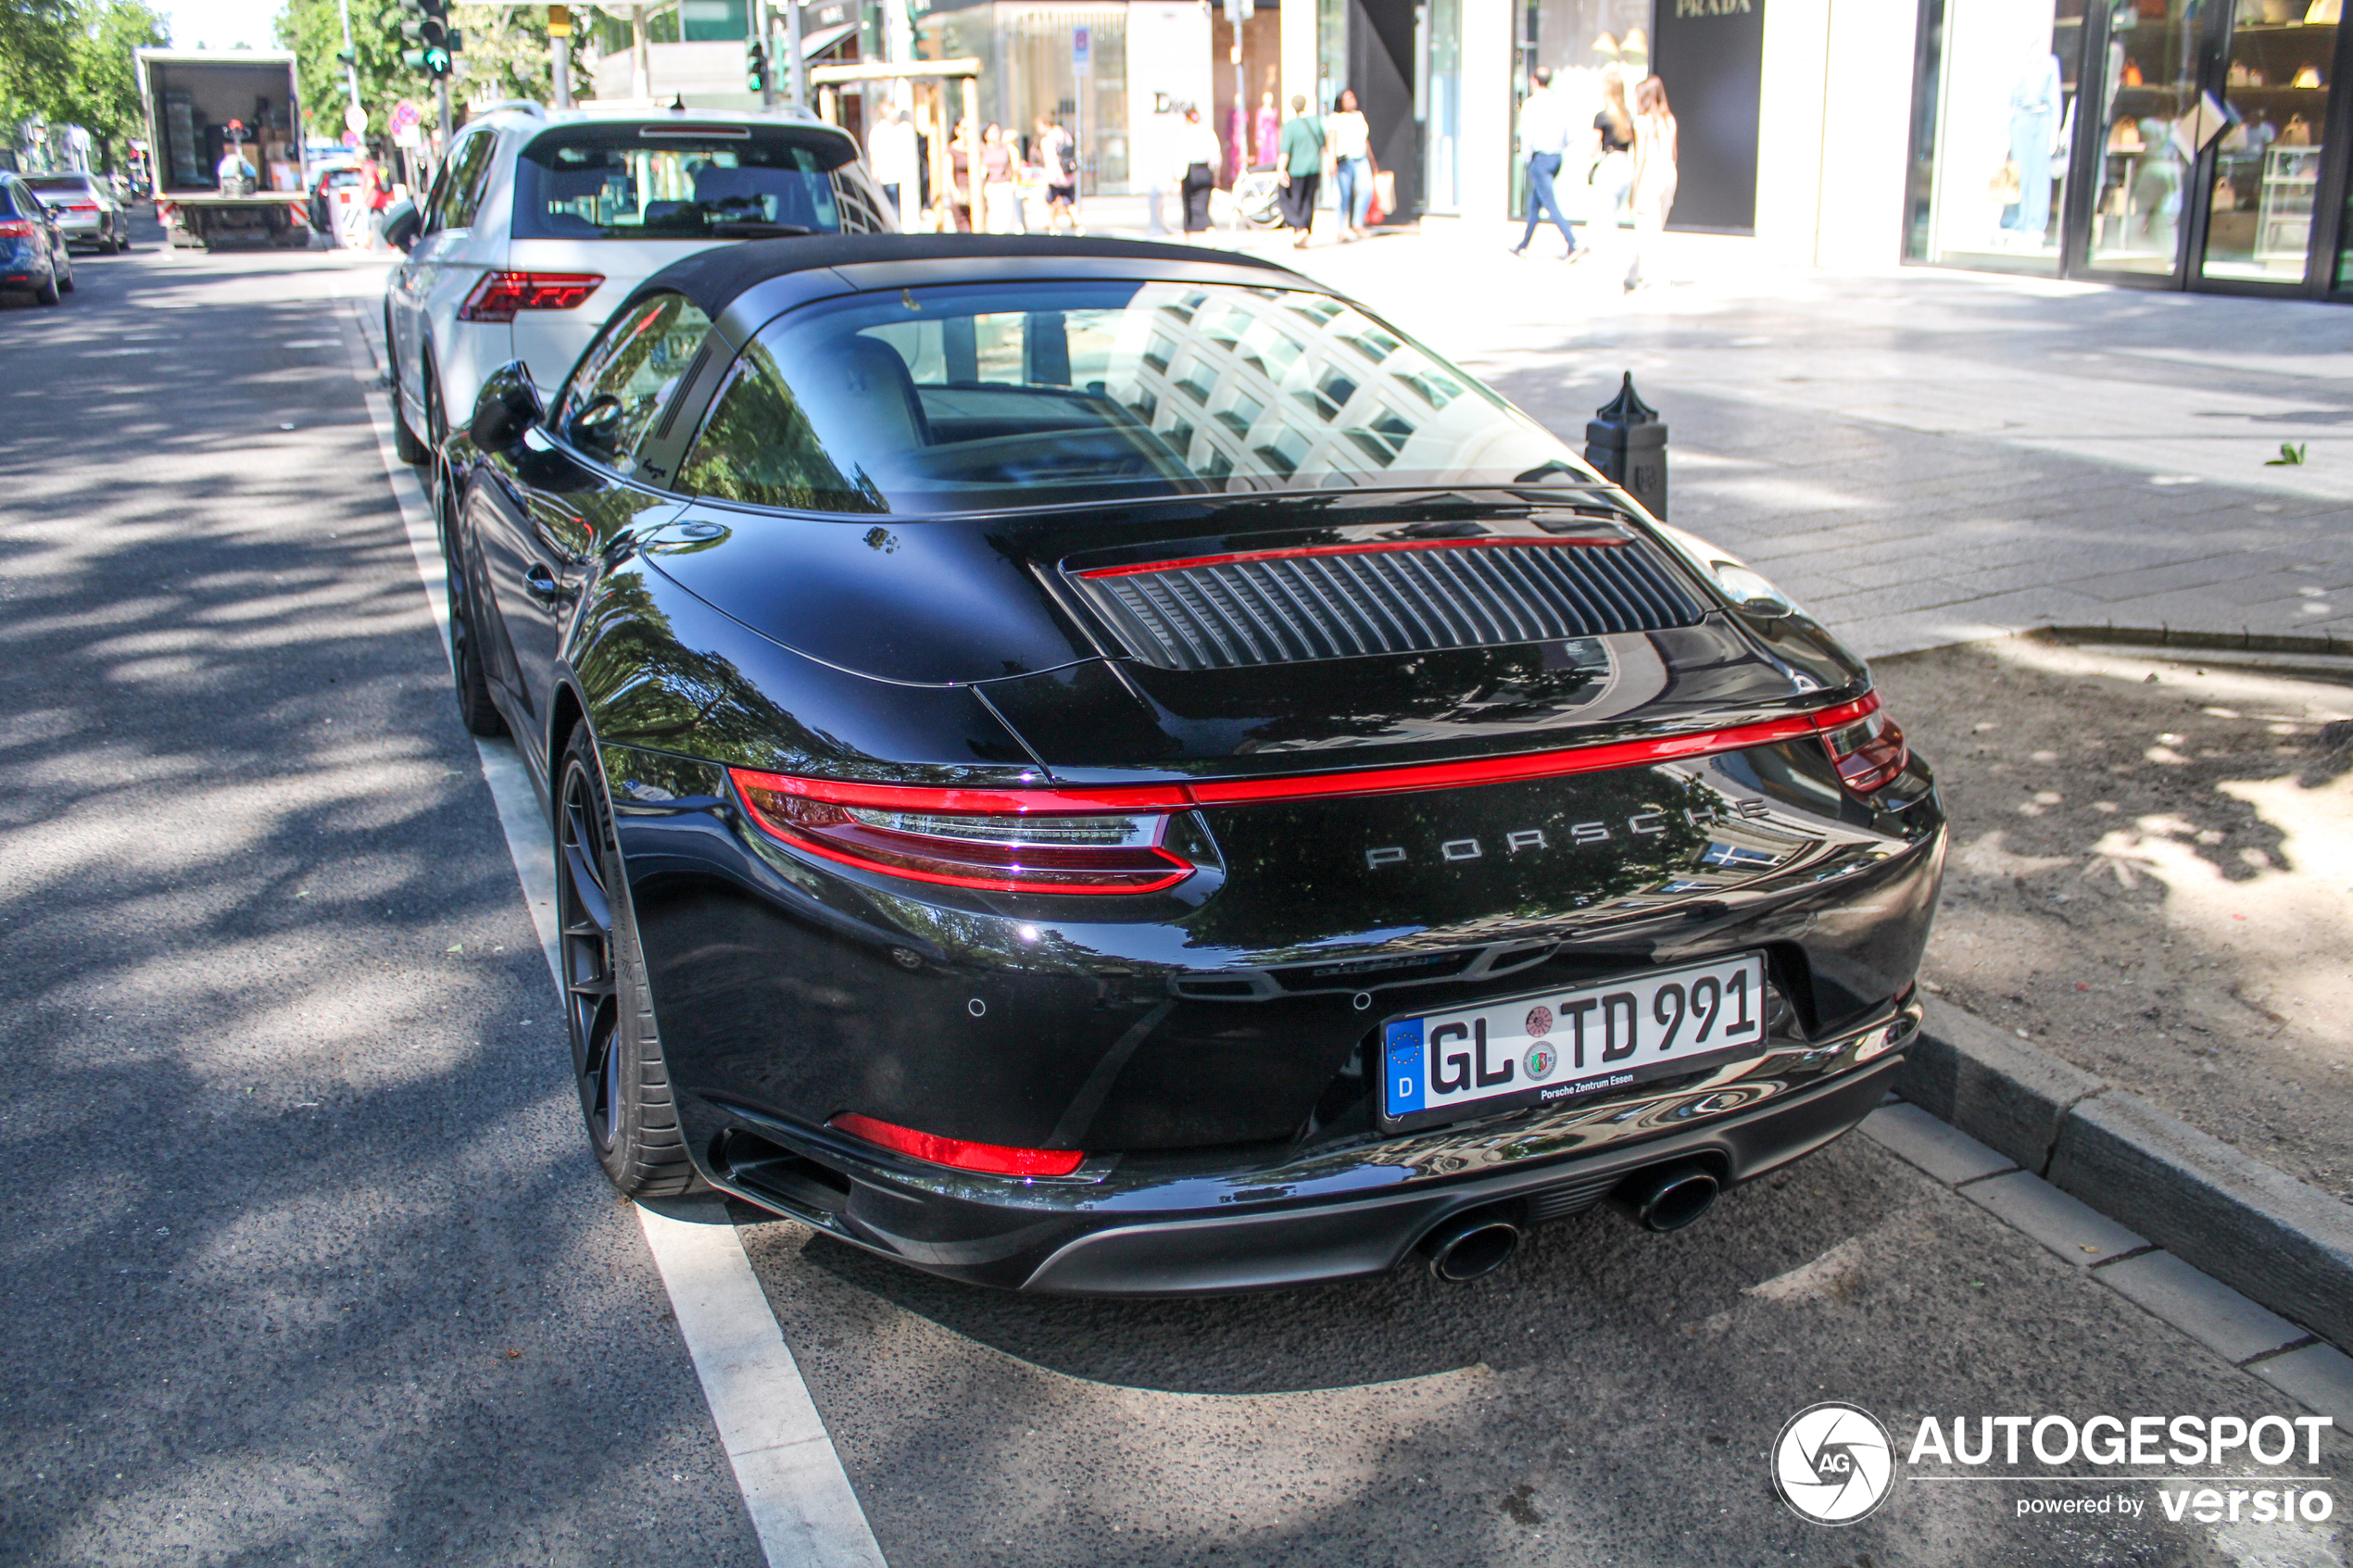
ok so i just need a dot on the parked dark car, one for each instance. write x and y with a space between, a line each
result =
1091 767
32 248
85 209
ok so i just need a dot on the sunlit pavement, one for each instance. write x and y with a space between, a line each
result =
306 1262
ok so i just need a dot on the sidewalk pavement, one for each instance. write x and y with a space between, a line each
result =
1924 456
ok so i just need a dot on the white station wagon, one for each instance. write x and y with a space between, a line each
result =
541 220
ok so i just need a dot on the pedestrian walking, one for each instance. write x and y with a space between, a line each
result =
1653 174
1058 150
1198 158
1543 137
1353 163
999 192
960 175
1302 170
892 151
1613 175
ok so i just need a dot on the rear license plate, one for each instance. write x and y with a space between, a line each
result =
1561 1046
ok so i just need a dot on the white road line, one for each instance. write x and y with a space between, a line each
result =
799 1499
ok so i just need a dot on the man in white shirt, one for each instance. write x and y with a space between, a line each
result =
1543 137
890 152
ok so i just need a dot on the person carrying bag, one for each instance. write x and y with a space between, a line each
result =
1302 172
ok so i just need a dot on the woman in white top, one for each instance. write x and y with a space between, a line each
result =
1352 161
1199 154
1654 195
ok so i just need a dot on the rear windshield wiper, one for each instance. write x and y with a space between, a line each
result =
757 228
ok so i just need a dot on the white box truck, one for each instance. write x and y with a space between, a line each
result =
201 107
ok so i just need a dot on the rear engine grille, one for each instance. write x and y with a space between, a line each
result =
1570 1198
1343 601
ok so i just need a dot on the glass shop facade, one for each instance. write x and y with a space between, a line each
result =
2165 144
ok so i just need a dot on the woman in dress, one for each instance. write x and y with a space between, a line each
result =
999 196
1654 193
1352 162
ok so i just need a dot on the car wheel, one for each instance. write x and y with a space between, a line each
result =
48 292
65 284
616 1050
475 711
405 444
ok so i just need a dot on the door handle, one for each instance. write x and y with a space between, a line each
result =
542 584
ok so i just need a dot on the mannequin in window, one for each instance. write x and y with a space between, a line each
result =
2035 101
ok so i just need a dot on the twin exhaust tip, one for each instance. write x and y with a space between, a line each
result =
1477 1242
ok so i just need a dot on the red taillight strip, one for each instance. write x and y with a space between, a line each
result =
1368 781
1382 546
961 1154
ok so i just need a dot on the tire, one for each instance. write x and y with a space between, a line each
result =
625 1101
475 711
405 444
48 292
65 285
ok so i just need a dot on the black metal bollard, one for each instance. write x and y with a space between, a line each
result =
1627 440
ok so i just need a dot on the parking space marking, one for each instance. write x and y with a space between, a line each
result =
801 1504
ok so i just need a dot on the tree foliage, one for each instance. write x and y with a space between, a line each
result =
69 61
505 57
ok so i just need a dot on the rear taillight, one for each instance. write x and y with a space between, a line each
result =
997 1159
1041 841
1864 744
500 294
16 229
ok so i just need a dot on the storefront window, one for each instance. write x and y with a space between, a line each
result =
1990 185
2268 161
2150 136
1438 102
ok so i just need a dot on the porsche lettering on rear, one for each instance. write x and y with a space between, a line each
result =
1519 841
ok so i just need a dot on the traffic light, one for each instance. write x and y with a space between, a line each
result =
428 28
756 66
346 57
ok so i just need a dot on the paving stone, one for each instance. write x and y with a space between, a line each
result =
2321 1376
2070 1229
1915 1137
2200 1306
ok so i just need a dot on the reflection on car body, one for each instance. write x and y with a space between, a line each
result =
1025 720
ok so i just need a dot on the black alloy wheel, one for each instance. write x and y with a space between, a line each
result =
616 1051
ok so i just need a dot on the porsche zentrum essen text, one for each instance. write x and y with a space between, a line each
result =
1101 768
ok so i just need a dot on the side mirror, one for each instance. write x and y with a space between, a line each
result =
403 223
596 428
508 405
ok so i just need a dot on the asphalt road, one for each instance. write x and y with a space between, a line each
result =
303 1259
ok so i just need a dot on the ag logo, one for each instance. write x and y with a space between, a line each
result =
1834 1464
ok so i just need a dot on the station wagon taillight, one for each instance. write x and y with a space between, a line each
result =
500 294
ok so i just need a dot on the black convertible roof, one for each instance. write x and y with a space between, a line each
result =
713 278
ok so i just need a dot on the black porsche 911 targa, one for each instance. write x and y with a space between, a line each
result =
1105 768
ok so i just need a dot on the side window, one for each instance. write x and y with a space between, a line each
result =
760 446
628 375
457 189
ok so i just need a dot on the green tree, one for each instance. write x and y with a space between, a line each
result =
313 30
506 54
102 94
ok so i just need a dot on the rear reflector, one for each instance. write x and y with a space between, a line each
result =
500 294
997 1159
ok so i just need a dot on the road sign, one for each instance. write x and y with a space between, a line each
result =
406 117
1082 49
560 21
354 120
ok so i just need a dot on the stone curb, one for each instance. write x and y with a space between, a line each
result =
2259 1230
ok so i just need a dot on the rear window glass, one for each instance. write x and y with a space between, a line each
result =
962 398
670 182
60 184
7 207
